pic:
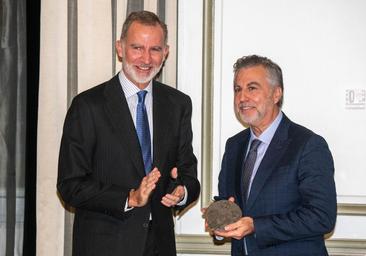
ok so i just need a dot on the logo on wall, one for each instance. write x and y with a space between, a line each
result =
356 99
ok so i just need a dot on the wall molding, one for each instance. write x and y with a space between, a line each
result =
346 247
203 244
200 244
207 101
72 90
351 209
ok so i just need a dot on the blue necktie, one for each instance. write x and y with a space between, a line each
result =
249 166
143 131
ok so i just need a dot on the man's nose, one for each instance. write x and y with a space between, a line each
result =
146 57
242 96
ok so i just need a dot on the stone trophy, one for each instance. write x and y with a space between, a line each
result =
221 213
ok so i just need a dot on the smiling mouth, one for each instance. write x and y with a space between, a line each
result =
144 68
244 108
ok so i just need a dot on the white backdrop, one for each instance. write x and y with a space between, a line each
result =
189 81
320 46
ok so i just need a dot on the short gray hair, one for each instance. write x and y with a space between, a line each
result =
274 71
144 18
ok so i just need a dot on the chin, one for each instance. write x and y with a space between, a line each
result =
142 79
248 121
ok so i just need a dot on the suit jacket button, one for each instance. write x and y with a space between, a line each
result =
145 225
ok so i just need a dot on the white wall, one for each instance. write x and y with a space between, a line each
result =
320 46
190 82
51 110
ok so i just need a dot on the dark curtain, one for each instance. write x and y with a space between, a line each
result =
33 47
13 125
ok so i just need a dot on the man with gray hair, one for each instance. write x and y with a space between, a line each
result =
126 156
278 172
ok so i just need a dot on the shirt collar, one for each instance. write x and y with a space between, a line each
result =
268 133
130 88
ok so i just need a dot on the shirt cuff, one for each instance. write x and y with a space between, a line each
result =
127 208
219 238
184 200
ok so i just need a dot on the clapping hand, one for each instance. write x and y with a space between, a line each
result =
173 198
140 196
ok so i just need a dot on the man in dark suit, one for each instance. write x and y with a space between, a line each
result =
278 172
126 153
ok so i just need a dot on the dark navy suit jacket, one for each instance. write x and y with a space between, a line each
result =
293 196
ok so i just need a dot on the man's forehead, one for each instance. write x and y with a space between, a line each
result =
251 72
139 25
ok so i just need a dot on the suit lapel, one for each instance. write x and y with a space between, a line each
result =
119 114
162 115
242 149
270 160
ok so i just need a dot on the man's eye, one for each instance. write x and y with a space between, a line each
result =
156 49
236 89
251 88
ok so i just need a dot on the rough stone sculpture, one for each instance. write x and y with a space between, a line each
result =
221 213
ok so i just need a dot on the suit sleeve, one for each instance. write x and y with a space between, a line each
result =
226 180
316 213
75 181
186 161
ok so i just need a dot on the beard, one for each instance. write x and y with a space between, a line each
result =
255 118
248 120
138 78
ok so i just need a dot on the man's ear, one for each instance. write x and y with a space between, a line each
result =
166 52
277 94
119 49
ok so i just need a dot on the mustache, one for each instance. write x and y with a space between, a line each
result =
243 105
145 66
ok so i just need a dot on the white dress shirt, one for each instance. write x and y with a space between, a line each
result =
130 90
